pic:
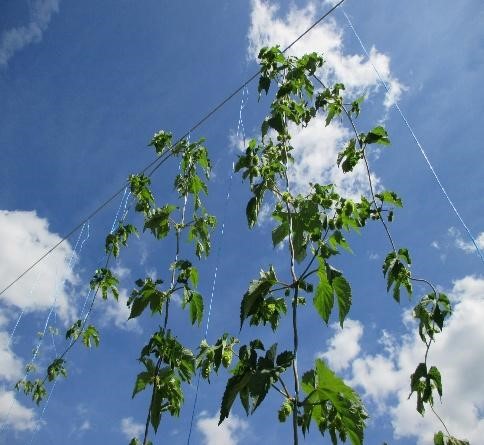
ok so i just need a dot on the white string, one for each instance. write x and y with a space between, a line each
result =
46 323
417 141
124 199
240 132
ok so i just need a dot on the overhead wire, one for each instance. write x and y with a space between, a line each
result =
416 139
154 166
156 163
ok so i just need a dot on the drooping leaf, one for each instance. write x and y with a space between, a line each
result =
195 302
142 380
90 336
324 298
342 290
258 289
235 385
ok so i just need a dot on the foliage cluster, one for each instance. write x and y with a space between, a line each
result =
311 227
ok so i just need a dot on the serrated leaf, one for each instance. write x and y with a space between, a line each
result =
138 305
234 386
434 374
196 308
90 336
155 408
324 297
258 289
142 380
439 438
390 198
377 136
285 359
280 233
323 386
342 290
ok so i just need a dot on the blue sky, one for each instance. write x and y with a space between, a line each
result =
83 87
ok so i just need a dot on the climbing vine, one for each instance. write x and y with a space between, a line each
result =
310 226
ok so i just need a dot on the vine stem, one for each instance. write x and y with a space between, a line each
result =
294 308
387 230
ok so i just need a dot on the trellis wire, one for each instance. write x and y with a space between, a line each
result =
416 139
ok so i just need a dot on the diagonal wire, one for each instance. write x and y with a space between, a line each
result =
417 141
155 164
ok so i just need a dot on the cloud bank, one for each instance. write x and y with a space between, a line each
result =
317 147
384 377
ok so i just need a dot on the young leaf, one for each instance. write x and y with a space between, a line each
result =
90 336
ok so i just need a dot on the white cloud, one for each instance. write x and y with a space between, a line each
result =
15 415
384 377
344 346
316 149
11 369
15 39
466 246
24 237
230 432
317 146
131 429
117 312
353 70
85 426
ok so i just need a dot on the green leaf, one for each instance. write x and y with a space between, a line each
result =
161 141
258 289
439 438
195 301
155 408
280 233
434 374
56 368
349 157
74 331
342 290
390 198
252 211
104 280
377 136
90 336
324 298
142 380
138 305
235 385
327 392
285 359
158 221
